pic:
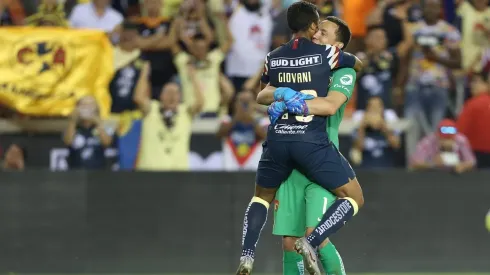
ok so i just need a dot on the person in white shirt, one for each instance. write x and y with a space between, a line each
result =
251 27
97 14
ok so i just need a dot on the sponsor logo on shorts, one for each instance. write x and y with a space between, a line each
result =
286 129
337 216
296 62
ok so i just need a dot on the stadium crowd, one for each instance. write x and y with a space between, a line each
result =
179 63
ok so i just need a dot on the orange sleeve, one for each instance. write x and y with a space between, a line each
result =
464 119
17 12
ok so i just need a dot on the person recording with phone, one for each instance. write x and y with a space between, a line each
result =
242 134
86 137
445 149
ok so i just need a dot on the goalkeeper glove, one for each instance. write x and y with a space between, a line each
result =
295 101
275 110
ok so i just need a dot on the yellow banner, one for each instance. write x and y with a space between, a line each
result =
44 71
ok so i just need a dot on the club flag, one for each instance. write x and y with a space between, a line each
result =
44 71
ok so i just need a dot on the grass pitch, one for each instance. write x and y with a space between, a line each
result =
420 273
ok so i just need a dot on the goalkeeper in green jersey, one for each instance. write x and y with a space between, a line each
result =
300 203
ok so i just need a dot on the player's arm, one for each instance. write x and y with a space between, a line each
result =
265 95
340 91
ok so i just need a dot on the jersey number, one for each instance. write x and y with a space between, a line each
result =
304 119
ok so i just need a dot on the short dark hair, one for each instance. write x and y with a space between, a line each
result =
301 15
343 32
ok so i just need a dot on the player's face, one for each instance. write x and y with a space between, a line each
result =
314 27
327 34
376 40
170 96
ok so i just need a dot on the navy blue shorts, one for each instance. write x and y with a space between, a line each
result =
320 163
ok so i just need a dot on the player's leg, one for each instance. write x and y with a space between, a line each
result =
318 200
290 220
274 168
324 165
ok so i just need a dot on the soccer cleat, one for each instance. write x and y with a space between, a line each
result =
310 258
246 265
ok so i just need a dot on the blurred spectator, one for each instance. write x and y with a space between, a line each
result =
397 15
230 6
167 126
208 67
49 13
242 134
444 149
11 13
355 13
97 14
474 119
193 22
251 27
437 49
281 32
127 8
156 38
86 136
129 66
378 77
475 28
374 143
14 158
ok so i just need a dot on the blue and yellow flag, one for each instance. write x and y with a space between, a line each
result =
44 71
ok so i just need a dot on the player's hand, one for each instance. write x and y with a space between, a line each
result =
286 94
276 110
297 104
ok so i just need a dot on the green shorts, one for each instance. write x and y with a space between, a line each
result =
299 204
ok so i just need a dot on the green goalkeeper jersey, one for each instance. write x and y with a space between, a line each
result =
343 81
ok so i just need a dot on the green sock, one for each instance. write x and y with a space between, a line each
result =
331 260
292 263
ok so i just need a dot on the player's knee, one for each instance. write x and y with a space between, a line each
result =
266 194
353 191
288 243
